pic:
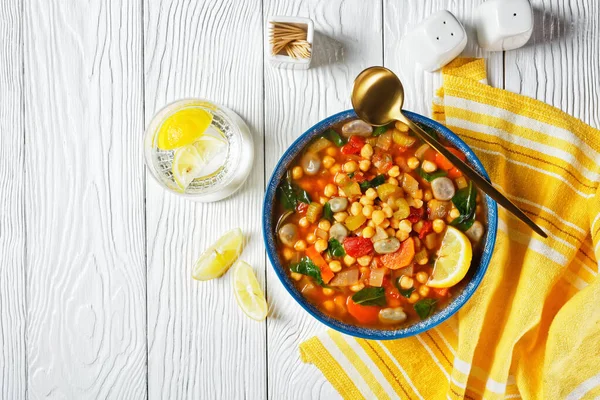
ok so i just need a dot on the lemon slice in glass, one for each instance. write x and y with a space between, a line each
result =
210 146
183 127
187 166
454 259
217 259
248 293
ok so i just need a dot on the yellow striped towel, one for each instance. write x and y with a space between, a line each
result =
532 329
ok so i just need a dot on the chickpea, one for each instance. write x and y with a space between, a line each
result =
378 216
401 235
393 181
417 203
324 224
422 277
321 245
394 172
340 216
368 232
406 282
414 297
330 190
340 301
365 201
364 165
300 245
331 151
323 200
367 211
405 226
311 238
328 291
387 210
357 287
424 290
356 208
288 253
454 213
385 224
371 194
366 151
303 222
438 225
350 166
296 276
335 266
335 169
349 260
297 172
391 232
418 226
429 166
413 162
328 162
364 261
427 195
394 223
401 126
329 305
340 178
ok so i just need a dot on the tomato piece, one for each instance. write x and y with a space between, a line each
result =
454 173
301 208
316 257
358 246
443 163
426 229
440 292
403 257
359 177
354 145
416 214
363 314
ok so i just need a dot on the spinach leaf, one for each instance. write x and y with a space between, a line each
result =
308 268
431 176
327 213
351 175
370 296
425 307
380 130
465 201
378 180
335 248
335 138
404 292
290 194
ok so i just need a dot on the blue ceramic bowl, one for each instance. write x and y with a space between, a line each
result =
474 277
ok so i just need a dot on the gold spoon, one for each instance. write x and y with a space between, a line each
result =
377 98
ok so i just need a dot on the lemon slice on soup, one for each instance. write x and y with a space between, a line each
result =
454 259
187 166
217 259
248 292
183 127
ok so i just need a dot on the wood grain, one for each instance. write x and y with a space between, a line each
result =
13 362
560 63
348 39
85 209
200 344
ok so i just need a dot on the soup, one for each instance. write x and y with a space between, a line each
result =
376 228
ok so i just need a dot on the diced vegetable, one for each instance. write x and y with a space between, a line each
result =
308 268
410 184
443 188
335 138
425 229
421 255
382 161
430 176
402 139
370 296
347 277
454 173
352 189
319 261
403 210
431 241
358 246
318 145
408 271
440 292
310 163
425 307
380 234
386 246
392 315
444 163
353 222
338 231
291 194
402 257
420 152
335 248
354 145
416 214
356 127
314 212
384 191
376 276
363 314
327 213
384 141
288 234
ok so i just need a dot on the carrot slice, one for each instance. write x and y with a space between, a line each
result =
316 257
443 163
363 314
403 257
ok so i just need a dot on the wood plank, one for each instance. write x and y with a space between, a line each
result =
199 342
348 39
419 85
13 305
560 64
84 202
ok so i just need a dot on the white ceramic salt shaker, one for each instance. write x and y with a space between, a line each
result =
503 24
436 41
285 61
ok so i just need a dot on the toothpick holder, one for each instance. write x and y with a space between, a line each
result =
282 60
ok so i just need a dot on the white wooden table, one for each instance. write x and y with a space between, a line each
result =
96 299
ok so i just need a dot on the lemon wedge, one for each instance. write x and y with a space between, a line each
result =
248 293
187 166
217 259
454 259
210 146
183 127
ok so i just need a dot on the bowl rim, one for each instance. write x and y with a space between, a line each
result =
354 330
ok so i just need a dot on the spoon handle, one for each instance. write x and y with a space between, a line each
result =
473 175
